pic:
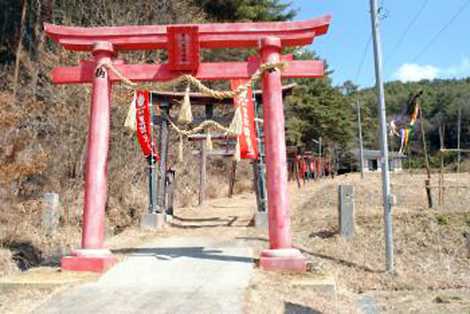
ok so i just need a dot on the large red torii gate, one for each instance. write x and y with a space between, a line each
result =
183 43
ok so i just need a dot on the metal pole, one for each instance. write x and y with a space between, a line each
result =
152 188
202 172
261 177
459 130
319 159
387 196
361 146
164 139
151 161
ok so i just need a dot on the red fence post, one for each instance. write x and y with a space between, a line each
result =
92 256
280 256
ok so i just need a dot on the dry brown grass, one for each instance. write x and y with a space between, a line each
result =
47 154
429 246
429 250
7 266
433 272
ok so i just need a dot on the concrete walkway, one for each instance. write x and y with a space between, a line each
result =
177 275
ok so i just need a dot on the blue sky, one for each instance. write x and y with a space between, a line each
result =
344 45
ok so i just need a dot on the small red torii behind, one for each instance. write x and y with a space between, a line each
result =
183 43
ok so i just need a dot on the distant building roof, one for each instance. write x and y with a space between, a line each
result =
374 154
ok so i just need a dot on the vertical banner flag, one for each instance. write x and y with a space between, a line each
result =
143 122
248 144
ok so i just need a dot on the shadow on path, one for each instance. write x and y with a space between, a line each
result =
170 253
327 257
198 219
292 308
228 222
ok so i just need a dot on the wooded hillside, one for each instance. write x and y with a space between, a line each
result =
440 103
45 125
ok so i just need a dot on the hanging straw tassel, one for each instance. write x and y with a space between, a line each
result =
209 145
236 154
131 122
185 115
180 149
235 127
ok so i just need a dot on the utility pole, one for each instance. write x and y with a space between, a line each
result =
459 130
387 196
361 146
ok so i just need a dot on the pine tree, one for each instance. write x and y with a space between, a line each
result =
247 10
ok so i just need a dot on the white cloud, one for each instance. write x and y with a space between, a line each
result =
463 69
411 72
415 72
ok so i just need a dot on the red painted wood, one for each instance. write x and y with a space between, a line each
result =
105 42
276 158
290 264
206 71
97 264
97 154
183 48
224 35
286 58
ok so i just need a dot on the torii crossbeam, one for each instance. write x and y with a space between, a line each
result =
183 43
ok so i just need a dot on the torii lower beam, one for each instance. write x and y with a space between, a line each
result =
85 72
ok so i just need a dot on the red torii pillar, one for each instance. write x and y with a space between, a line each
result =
183 43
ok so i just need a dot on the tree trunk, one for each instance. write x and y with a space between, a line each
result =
19 49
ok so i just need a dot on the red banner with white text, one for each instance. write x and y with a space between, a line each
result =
143 123
248 143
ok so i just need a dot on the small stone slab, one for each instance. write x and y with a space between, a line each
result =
368 305
326 284
261 220
153 221
168 218
346 211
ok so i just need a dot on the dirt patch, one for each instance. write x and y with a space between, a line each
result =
277 293
7 265
23 299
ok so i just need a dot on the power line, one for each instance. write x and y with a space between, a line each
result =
382 14
436 36
363 58
408 28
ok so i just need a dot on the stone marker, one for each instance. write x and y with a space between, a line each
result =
50 212
261 220
346 211
153 221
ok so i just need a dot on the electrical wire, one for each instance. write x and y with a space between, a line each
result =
383 14
443 28
408 28
363 58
